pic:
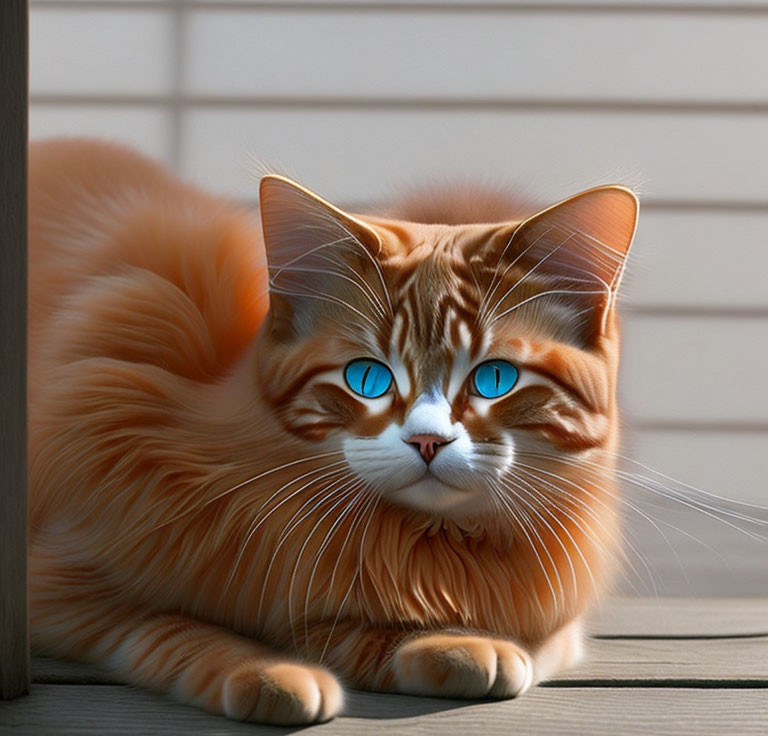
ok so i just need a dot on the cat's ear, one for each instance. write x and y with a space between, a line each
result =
322 261
581 245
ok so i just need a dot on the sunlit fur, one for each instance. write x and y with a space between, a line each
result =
212 506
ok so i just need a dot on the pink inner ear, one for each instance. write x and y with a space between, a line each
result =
297 221
321 260
587 236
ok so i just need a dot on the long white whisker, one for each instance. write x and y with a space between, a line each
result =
373 504
540 295
254 527
517 283
357 501
537 493
523 528
349 489
559 490
254 478
536 513
319 497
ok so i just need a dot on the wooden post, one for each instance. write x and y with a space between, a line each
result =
14 630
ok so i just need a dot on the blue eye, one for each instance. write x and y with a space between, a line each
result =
494 378
368 378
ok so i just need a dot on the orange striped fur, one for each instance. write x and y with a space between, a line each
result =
216 515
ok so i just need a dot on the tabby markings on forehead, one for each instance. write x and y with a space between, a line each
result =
399 371
462 362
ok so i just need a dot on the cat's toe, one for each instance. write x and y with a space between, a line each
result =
514 670
283 694
462 666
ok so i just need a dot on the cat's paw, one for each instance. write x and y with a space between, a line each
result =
281 693
454 665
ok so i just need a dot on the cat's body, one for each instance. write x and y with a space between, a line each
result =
216 515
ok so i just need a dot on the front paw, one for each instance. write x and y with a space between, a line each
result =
281 693
454 665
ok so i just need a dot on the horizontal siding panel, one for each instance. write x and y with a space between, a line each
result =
733 465
438 5
92 51
691 370
147 129
359 155
471 56
489 5
710 260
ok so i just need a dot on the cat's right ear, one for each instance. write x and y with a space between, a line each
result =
322 261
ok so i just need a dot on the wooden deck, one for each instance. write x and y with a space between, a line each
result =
656 666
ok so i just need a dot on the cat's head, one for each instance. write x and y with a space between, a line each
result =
442 358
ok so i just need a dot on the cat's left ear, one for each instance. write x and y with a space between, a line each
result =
581 244
322 260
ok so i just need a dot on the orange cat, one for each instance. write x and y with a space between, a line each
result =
369 483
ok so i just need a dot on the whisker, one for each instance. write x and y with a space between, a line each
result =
259 476
522 467
372 504
517 283
520 523
652 486
539 296
686 485
357 501
319 497
536 513
543 497
314 294
347 492
629 505
598 541
254 526
621 499
494 286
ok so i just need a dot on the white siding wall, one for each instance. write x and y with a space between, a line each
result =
353 98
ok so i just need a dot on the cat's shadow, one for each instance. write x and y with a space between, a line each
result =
106 697
386 706
361 704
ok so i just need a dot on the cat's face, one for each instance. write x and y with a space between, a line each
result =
438 358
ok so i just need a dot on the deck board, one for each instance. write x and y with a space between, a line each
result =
739 661
661 666
680 617
66 710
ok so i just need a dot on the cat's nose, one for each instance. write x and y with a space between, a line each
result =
427 444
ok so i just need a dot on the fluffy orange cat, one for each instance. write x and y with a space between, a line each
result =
269 460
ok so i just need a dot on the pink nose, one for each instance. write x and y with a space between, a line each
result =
427 444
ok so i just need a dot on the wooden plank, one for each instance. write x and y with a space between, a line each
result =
480 56
66 710
638 639
14 641
681 617
668 661
46 670
369 154
675 662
